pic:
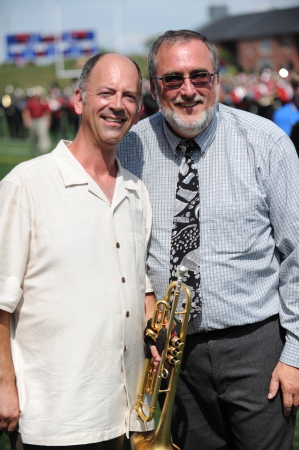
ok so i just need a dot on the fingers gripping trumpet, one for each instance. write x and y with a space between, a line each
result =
171 357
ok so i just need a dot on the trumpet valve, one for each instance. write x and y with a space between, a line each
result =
171 359
177 343
173 351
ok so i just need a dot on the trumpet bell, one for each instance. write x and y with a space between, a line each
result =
137 438
155 443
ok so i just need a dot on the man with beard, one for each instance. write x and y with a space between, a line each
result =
237 176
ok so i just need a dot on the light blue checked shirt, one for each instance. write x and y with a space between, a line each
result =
249 217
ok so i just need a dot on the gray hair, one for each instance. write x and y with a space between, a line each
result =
88 68
179 37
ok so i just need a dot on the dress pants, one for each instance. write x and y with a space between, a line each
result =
221 401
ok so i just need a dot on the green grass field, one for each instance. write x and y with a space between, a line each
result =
31 75
11 154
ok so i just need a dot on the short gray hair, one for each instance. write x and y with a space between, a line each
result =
179 37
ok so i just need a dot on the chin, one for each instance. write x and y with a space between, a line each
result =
189 127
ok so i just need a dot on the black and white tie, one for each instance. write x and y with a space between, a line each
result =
185 232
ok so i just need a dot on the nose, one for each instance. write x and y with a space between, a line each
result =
187 88
117 103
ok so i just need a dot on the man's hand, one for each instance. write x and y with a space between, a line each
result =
287 378
9 408
9 402
156 358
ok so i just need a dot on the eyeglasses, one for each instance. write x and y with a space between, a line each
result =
198 79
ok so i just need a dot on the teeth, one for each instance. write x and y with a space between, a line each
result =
113 120
187 105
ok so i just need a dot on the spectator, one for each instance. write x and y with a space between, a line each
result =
37 118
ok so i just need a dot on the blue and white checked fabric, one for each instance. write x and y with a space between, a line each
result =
249 217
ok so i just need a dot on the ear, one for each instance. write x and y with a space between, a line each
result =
78 101
153 88
138 115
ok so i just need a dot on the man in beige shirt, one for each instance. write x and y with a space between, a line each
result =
74 227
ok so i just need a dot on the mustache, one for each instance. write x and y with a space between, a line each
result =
198 98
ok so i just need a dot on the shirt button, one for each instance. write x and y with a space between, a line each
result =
123 279
117 245
127 313
125 348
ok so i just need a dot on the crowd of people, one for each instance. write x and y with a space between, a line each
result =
261 94
56 106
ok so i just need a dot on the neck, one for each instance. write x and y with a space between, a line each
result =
99 164
92 157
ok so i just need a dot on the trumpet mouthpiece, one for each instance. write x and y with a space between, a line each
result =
182 270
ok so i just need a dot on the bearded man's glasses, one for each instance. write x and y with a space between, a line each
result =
198 79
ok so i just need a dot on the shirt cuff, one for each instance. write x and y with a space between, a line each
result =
290 353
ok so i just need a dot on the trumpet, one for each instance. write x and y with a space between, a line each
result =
171 357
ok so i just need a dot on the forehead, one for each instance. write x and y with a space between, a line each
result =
183 57
114 70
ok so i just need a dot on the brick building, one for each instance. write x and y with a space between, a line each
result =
256 41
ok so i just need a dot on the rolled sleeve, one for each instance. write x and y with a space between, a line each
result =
14 238
148 285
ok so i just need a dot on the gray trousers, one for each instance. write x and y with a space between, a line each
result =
221 401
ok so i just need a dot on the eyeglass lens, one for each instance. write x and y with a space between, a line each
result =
197 79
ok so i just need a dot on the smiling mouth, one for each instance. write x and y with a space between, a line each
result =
190 104
109 119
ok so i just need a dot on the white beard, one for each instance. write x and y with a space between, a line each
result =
194 127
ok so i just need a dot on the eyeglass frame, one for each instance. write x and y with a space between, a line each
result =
210 75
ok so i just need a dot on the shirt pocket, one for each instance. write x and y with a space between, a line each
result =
231 227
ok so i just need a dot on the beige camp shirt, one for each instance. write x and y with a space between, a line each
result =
72 270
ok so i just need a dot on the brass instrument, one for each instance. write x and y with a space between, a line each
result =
165 312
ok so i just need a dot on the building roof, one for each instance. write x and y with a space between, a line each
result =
275 22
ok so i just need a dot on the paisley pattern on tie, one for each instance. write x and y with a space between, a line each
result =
185 232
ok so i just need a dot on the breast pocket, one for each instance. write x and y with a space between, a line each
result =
231 228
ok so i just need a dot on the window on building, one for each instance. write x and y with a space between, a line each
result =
286 44
265 47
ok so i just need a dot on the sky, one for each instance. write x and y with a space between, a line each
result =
120 25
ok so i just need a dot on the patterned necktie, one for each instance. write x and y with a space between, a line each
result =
185 232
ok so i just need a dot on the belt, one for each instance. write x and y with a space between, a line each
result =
223 331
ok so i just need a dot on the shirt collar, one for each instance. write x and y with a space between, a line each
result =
71 171
74 174
204 139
